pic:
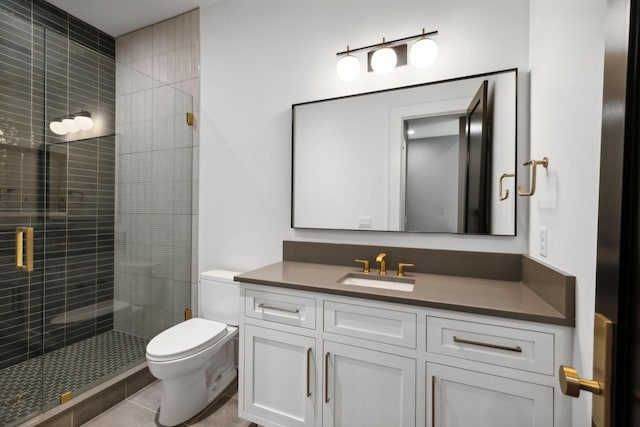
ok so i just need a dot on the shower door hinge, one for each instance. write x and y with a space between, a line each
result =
190 119
188 314
65 397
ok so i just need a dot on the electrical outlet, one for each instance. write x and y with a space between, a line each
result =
543 241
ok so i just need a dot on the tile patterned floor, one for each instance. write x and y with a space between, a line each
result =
141 410
28 386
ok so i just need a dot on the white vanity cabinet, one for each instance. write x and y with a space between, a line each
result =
309 358
367 388
461 397
278 376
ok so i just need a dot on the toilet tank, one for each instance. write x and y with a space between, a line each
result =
219 297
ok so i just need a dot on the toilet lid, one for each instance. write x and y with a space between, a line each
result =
185 339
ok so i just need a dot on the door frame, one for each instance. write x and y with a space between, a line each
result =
618 257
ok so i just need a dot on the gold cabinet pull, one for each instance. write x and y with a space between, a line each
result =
309 372
20 237
365 264
506 194
433 401
286 310
516 349
533 163
326 377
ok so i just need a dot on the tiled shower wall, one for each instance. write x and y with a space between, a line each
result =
52 64
156 239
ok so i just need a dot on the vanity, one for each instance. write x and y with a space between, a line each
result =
477 340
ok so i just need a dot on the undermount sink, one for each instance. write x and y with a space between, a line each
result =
381 282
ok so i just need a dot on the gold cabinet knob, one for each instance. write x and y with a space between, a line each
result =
401 266
571 383
365 264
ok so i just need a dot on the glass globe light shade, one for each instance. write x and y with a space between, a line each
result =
423 53
384 60
70 125
83 122
348 68
58 128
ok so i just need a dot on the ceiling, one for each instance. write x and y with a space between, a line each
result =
118 17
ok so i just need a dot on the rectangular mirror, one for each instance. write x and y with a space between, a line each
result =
423 158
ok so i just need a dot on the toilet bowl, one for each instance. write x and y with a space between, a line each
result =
195 359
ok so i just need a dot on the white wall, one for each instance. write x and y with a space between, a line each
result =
567 46
258 58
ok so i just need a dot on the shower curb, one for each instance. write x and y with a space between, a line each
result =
92 403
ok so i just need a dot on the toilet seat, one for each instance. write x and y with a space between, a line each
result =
185 339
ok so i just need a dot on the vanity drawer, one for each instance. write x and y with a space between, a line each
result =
370 323
280 308
497 345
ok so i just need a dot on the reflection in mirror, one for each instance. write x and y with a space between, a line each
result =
425 158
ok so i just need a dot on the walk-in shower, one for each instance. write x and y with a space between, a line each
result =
95 225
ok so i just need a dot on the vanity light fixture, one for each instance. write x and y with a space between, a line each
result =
384 60
423 52
348 67
384 57
72 123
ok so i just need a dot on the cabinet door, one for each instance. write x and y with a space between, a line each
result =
468 398
367 388
279 376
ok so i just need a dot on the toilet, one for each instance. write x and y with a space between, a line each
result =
195 359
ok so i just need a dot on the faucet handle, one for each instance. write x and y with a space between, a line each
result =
365 264
401 266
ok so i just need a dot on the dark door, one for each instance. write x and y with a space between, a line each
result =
618 265
478 156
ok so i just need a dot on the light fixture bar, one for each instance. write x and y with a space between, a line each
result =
390 42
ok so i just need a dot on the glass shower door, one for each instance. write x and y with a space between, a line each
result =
21 272
21 215
154 204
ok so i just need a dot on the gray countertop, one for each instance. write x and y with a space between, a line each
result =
509 299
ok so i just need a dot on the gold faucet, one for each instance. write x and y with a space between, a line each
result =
383 263
401 266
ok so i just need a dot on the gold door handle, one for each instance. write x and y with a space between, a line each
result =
326 377
600 385
571 383
20 237
308 371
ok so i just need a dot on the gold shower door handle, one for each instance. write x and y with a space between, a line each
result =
20 238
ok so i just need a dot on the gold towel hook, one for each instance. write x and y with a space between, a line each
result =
506 194
545 163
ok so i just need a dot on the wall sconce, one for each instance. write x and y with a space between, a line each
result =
72 123
383 57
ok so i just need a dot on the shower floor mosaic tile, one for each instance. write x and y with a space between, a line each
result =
37 383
